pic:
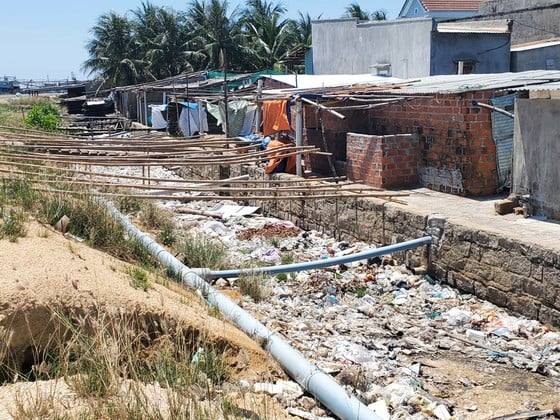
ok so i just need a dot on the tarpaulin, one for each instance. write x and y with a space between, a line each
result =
275 117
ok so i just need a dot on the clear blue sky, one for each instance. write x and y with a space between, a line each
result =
42 39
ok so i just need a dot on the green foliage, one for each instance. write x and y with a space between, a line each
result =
201 251
287 258
88 219
139 279
12 224
129 205
361 291
18 191
155 42
44 117
167 235
281 277
252 285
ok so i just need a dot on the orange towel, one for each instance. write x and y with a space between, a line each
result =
275 118
275 161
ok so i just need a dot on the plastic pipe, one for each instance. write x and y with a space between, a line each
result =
327 262
310 377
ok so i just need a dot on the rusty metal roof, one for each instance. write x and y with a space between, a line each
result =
450 5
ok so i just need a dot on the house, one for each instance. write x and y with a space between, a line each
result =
539 55
408 48
533 20
439 9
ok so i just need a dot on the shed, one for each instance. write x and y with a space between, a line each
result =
436 131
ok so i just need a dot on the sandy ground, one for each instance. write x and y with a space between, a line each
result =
47 270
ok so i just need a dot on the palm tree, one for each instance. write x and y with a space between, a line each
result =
219 37
379 15
354 10
269 36
303 29
114 54
162 34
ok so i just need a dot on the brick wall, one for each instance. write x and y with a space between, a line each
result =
458 154
457 150
383 161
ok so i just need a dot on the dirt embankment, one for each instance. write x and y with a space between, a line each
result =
46 274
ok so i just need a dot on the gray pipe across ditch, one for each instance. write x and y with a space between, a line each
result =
326 262
311 378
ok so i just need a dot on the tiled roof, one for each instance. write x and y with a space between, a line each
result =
450 5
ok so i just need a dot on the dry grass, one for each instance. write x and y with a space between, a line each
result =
120 365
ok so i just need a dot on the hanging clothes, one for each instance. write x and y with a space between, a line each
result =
241 116
158 116
189 120
276 162
275 117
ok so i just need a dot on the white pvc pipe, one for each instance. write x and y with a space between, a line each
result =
310 377
322 263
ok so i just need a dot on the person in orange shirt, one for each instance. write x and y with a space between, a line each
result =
280 164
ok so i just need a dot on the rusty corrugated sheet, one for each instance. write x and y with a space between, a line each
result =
502 131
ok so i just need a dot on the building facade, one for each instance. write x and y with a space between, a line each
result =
408 48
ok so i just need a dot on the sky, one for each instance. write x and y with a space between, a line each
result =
45 40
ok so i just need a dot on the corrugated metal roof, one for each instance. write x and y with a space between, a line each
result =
502 132
541 87
472 82
313 81
499 26
450 5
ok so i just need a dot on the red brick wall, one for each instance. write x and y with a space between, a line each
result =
458 154
390 161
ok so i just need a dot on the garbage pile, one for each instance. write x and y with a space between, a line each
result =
375 325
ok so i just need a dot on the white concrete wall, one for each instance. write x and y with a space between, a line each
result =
536 150
345 46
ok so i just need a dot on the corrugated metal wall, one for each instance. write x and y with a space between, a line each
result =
502 131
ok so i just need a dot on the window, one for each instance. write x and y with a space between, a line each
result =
382 69
465 66
550 64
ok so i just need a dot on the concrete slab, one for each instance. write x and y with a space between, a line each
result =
479 214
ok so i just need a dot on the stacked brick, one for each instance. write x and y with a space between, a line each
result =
455 139
389 161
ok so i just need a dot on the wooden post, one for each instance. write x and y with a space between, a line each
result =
258 115
299 134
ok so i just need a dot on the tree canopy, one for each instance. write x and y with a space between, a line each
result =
155 42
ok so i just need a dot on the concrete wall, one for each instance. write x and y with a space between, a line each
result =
535 154
348 47
491 52
536 59
533 20
521 276
496 6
